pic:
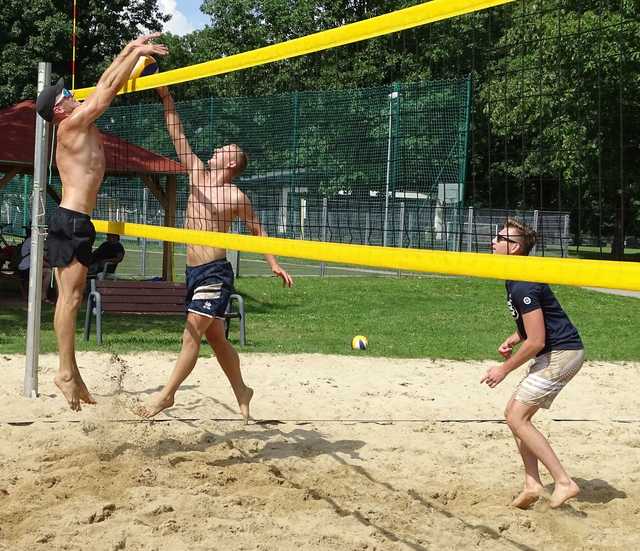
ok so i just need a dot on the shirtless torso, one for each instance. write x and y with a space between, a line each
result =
81 163
211 206
214 202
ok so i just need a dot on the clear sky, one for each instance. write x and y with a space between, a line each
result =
186 15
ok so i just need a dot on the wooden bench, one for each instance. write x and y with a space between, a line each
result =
145 297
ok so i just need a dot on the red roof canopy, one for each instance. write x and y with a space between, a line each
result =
17 136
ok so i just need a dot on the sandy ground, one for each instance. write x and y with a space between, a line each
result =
345 454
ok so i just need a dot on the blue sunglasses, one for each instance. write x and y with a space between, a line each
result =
65 94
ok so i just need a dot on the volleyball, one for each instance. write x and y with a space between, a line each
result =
145 66
359 342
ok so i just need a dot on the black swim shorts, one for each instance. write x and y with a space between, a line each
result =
71 235
209 287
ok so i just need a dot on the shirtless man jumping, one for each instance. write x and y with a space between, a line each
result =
81 164
213 203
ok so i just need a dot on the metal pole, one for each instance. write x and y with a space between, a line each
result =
25 201
565 237
143 248
401 229
303 215
367 226
38 232
410 228
392 96
535 229
401 226
284 212
324 232
470 231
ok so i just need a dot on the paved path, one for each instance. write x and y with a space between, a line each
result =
635 294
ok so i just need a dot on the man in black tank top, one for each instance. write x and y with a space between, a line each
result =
547 336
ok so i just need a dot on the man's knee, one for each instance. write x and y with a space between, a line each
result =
190 339
72 299
216 335
515 417
194 331
217 340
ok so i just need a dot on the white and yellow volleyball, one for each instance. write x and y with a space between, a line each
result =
359 342
145 66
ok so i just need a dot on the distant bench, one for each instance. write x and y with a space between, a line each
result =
145 297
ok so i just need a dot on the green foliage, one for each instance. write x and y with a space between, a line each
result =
560 94
41 30
555 116
434 51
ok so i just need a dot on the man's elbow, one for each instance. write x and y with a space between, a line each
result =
536 344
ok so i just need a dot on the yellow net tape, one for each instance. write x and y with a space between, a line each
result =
427 12
563 271
594 273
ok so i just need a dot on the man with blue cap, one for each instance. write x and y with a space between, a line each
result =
81 164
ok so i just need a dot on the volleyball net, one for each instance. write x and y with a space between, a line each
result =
351 166
387 177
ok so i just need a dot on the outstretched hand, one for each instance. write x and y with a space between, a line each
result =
287 280
146 47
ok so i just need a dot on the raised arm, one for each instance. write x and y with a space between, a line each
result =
114 78
248 216
174 126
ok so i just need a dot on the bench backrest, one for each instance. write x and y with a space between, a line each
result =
142 297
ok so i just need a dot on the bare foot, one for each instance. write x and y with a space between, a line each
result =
84 394
527 498
562 493
243 402
155 405
74 391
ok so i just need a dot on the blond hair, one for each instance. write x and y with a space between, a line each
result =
527 235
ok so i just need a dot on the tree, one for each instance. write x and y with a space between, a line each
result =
242 25
41 30
561 102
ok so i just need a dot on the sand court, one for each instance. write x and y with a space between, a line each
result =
343 453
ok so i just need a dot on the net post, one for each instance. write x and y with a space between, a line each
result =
303 216
564 240
535 229
233 256
170 222
25 201
401 230
38 231
470 231
143 244
385 227
367 225
323 266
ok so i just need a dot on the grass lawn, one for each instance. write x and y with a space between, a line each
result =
603 253
457 318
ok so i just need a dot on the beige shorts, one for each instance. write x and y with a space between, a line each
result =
547 377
